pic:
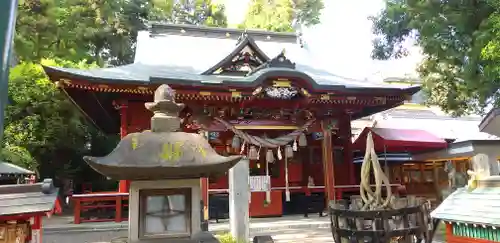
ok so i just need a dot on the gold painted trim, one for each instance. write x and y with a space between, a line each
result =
452 159
264 127
282 83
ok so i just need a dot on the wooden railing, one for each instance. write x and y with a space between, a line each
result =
114 200
104 200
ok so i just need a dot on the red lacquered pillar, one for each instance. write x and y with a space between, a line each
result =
328 166
123 108
36 229
348 148
204 196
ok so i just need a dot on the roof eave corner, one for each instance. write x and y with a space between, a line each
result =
413 90
488 124
51 72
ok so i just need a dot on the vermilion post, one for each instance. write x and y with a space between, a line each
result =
328 166
7 23
348 149
123 106
204 197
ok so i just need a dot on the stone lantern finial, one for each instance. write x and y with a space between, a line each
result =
165 109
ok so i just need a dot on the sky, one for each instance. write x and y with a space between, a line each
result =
342 42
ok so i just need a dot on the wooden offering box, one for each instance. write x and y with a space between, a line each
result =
22 208
14 231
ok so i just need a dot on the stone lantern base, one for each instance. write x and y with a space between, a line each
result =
166 211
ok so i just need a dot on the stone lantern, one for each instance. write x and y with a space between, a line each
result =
164 166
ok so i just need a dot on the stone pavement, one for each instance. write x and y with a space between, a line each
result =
319 235
283 236
64 224
286 229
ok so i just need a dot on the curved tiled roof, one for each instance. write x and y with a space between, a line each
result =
184 53
8 168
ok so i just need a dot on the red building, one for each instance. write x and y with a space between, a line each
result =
261 83
22 208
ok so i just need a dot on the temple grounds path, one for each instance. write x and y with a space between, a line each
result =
286 229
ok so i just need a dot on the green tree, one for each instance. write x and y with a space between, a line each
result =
198 12
100 31
43 130
459 40
282 15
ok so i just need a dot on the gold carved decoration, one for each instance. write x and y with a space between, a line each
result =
65 80
282 83
305 92
257 91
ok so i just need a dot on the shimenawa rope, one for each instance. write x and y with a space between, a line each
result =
373 200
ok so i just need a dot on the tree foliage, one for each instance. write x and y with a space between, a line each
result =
43 130
282 15
41 124
100 31
459 40
194 12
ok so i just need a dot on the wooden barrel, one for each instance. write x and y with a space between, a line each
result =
404 224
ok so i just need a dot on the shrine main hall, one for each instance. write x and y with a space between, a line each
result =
255 93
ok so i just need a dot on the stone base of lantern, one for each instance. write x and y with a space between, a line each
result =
165 211
203 237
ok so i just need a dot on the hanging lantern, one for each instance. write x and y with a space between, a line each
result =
236 142
288 151
269 156
302 140
279 154
252 153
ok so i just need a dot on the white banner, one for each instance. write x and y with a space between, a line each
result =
260 183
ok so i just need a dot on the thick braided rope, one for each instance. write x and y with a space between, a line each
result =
373 199
266 142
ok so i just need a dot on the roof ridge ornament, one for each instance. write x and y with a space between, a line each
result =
243 36
280 61
256 58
